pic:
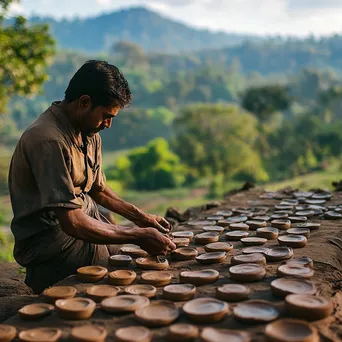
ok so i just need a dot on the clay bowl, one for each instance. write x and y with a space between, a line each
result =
309 225
201 223
89 333
120 260
33 312
236 235
262 218
133 250
215 218
206 310
305 213
279 253
237 219
223 335
269 233
144 290
152 263
255 224
7 333
239 226
184 235
59 292
315 201
240 211
281 224
157 314
184 253
294 241
254 258
279 217
179 292
302 261
218 247
208 237
298 219
253 241
232 292
284 206
133 334
321 196
199 278
282 287
75 308
308 307
255 249
40 335
121 277
256 311
305 194
291 330
211 258
181 242
299 231
99 292
214 229
124 303
182 332
333 215
295 271
225 213
247 272
156 278
91 274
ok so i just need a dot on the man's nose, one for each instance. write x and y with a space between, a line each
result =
108 123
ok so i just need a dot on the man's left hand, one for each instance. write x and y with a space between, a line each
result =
154 221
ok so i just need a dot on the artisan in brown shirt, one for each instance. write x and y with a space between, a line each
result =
56 180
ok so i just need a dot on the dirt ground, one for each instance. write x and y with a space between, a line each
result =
328 279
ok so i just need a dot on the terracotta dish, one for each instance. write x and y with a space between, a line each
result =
333 215
291 330
36 311
211 258
218 247
299 231
91 274
201 223
75 308
59 292
279 217
156 278
297 219
254 258
302 261
145 290
208 237
281 224
199 278
181 242
239 226
315 201
282 287
89 333
247 272
183 234
237 219
120 260
215 217
179 292
309 225
152 263
225 213
232 292
124 303
206 310
40 335
157 314
255 249
253 241
99 292
224 335
323 195
256 311
279 253
255 224
133 250
133 334
236 235
262 218
182 332
184 253
294 241
305 213
121 277
7 333
215 229
269 233
295 271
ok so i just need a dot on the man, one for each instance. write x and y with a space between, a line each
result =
56 182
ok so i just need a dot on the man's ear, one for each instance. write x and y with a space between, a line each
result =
84 102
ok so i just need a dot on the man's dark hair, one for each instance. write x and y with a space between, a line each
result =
103 82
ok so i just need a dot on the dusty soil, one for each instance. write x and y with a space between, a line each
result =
328 278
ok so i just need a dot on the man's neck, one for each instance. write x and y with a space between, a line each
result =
70 114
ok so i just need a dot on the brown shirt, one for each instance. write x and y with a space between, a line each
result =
50 168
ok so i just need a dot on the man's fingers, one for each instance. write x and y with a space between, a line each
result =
171 246
162 229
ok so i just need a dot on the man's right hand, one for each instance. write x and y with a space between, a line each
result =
154 243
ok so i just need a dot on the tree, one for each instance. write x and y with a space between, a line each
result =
24 53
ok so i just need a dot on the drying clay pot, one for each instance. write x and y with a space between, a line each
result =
282 287
262 218
281 224
156 278
89 333
201 223
279 253
152 263
297 219
36 311
269 233
254 258
284 206
120 260
40 335
181 242
75 308
206 310
255 224
184 234
214 229
211 258
218 247
99 292
232 292
237 219
59 292
224 335
225 213
299 231
121 277
315 201
305 194
157 314
215 218
255 249
239 226
91 274
199 278
333 215
208 237
305 213
7 333
247 272
308 307
309 225
256 311
124 303
182 332
145 290
279 217
133 250
294 241
295 271
179 292
184 253
133 334
253 241
236 235
323 195
302 261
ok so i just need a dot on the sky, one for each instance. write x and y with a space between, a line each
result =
271 17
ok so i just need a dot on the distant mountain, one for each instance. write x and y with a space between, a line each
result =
149 29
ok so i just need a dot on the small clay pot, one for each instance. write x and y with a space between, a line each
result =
218 247
206 310
215 218
247 272
232 292
40 335
75 308
91 274
199 278
253 241
282 287
305 213
299 231
208 237
236 235
214 229
294 241
256 311
237 219
255 224
124 303
179 292
33 312
99 292
308 307
262 218
157 314
144 290
181 242
211 258
225 213
322 195
133 250
152 263
284 207
89 333
279 253
220 335
59 292
120 260
201 223
281 224
182 332
7 333
305 194
333 215
309 225
239 226
133 334
156 278
295 271
297 219
279 217
121 277
254 258
184 253
302 261
269 233
183 234
255 249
